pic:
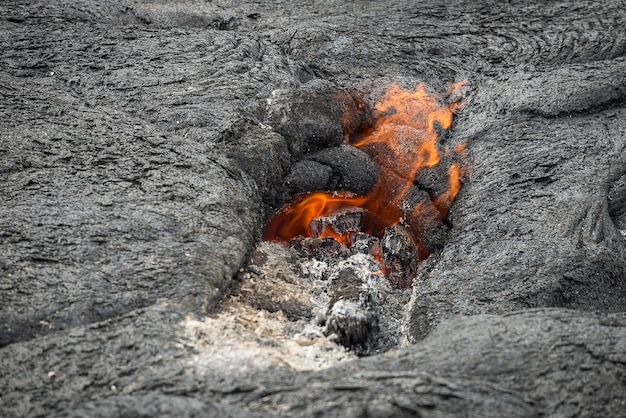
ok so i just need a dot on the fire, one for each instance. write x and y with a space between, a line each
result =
403 140
294 219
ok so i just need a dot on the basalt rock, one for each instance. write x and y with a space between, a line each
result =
143 145
400 256
342 223
306 116
617 204
338 168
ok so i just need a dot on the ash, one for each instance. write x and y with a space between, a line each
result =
344 300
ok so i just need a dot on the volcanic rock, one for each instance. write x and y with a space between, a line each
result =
341 223
400 256
350 322
617 203
434 180
306 176
264 156
333 169
436 237
145 144
272 282
306 116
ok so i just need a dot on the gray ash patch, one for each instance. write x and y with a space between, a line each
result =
349 301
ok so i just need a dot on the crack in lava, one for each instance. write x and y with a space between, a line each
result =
403 140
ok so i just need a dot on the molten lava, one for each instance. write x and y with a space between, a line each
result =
402 140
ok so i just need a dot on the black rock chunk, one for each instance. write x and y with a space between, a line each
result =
306 116
399 255
434 179
332 169
350 315
352 169
351 323
306 176
341 223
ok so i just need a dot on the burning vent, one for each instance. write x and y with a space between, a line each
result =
341 260
400 220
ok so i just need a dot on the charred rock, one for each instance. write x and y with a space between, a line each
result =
351 323
307 117
400 256
343 223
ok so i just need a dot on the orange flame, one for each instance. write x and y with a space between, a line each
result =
444 201
294 219
403 140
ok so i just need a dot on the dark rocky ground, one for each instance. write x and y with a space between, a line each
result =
145 144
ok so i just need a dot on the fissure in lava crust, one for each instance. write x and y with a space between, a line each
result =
418 182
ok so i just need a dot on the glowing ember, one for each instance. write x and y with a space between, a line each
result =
403 140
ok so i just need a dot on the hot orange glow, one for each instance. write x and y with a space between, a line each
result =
402 140
406 123
444 201
454 87
460 148
294 219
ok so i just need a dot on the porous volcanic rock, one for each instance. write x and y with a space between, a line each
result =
144 144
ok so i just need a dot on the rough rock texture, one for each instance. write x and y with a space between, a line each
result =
145 143
337 168
522 364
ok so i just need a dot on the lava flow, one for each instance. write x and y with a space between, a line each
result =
403 140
